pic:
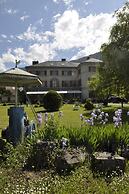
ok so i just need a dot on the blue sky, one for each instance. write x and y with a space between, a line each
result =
53 29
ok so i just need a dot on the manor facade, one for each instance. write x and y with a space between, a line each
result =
69 78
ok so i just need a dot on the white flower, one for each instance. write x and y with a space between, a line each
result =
114 118
93 115
120 110
102 113
106 114
52 115
81 115
60 114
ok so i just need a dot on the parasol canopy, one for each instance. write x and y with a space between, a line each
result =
16 77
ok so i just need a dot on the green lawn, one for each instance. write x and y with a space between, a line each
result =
3 116
70 118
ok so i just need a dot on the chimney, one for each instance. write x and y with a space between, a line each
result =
63 59
34 62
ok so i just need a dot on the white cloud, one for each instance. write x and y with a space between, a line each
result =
2 66
45 7
40 52
31 34
11 11
66 2
55 1
86 3
57 16
88 33
6 58
40 21
28 35
3 36
12 36
9 41
24 17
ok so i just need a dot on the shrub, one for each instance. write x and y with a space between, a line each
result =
88 105
51 130
52 101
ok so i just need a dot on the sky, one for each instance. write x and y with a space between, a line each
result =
53 29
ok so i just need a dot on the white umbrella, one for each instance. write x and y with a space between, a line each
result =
16 77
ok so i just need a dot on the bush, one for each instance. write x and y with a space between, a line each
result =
51 130
88 105
52 101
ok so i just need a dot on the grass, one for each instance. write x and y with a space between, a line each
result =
3 116
81 181
70 118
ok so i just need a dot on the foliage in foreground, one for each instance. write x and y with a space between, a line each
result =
13 179
80 181
94 138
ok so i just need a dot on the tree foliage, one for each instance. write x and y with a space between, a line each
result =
120 31
112 76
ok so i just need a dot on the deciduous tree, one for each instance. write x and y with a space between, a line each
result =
113 74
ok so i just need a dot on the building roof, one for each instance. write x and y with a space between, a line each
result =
65 63
95 56
92 60
57 64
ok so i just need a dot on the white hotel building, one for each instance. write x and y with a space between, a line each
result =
69 78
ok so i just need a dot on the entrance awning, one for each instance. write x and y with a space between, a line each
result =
60 92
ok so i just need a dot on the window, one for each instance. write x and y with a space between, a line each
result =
64 73
37 72
53 72
54 83
65 83
67 73
92 69
44 73
73 83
